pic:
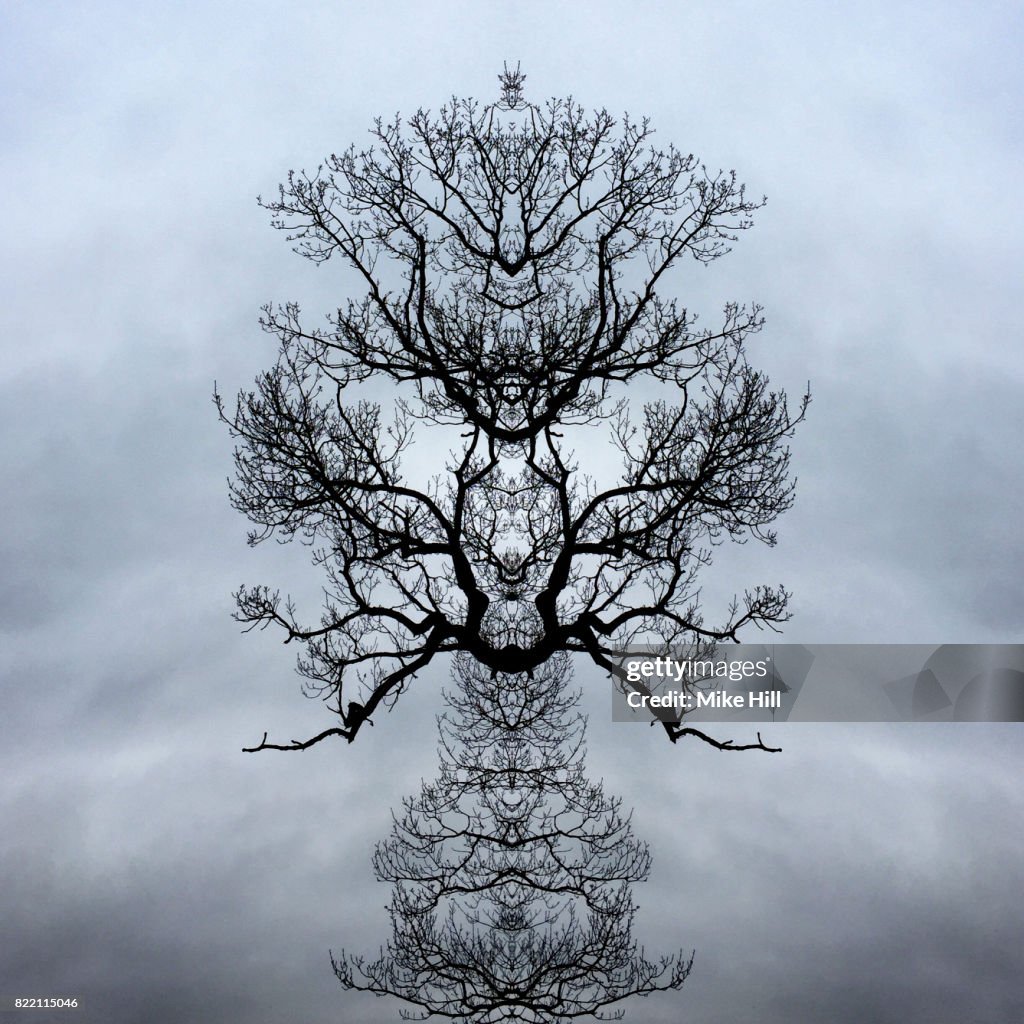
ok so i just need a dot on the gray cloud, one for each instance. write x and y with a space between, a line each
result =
152 869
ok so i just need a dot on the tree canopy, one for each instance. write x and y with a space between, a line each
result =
518 268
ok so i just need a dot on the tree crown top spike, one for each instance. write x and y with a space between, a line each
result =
512 87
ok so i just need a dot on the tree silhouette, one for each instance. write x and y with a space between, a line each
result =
510 262
511 873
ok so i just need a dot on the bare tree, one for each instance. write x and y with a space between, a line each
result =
511 259
511 873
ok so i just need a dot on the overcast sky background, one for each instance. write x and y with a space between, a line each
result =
868 873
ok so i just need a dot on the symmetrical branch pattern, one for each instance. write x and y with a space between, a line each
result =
511 261
511 873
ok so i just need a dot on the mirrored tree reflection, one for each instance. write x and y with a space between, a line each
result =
512 873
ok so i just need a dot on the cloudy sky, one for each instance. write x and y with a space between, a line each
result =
147 866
